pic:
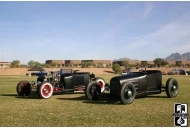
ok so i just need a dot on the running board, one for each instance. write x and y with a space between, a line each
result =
68 90
154 91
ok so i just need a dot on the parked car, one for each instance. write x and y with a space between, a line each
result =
28 74
164 73
126 71
40 73
187 72
127 87
177 72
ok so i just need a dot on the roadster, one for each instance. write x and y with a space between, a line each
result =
126 87
57 82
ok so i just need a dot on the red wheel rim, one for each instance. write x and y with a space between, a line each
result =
46 90
100 83
23 85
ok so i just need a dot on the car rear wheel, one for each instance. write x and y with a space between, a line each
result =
93 91
102 83
172 88
128 93
23 88
45 90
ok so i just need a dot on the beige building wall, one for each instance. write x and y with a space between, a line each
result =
5 64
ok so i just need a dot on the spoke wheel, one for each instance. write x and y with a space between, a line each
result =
45 90
128 93
172 88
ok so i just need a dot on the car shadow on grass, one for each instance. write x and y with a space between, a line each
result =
108 99
104 99
61 93
156 96
9 95
116 101
31 96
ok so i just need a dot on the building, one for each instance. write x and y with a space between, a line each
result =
5 64
78 63
99 63
172 63
134 62
182 63
72 63
186 63
147 63
59 63
179 63
65 63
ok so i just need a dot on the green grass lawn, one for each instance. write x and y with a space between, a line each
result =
75 110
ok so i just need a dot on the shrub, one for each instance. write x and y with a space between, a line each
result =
116 68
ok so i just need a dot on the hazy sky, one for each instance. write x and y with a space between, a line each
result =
102 30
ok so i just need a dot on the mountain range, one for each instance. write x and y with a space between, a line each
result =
179 57
173 57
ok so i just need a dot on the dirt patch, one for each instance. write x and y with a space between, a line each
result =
98 71
23 71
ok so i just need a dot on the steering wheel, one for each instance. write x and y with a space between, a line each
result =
142 71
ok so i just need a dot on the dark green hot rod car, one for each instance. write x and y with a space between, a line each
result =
127 87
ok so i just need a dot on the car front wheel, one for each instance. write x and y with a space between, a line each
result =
93 91
102 83
45 90
128 93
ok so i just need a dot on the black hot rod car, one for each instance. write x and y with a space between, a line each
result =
127 87
69 81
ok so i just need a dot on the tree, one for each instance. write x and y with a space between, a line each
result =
187 65
178 63
164 62
116 68
94 65
89 64
15 64
53 64
43 65
125 63
144 63
31 63
83 64
159 62
100 65
37 64
137 64
109 65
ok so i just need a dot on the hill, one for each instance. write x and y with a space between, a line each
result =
179 57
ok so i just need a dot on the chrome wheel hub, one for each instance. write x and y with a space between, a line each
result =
45 90
129 93
174 88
